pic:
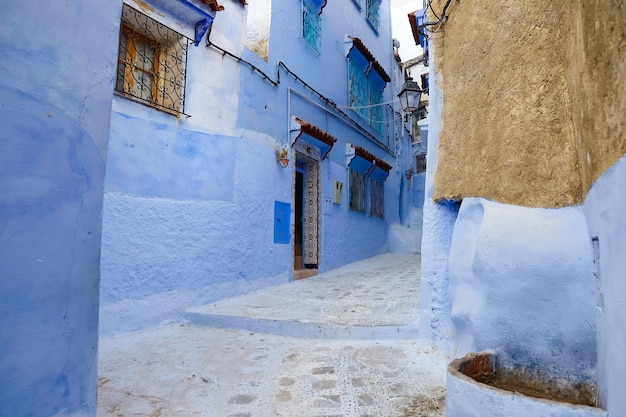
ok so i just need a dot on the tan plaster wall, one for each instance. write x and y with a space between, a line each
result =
598 82
529 90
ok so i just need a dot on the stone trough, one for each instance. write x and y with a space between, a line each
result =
477 386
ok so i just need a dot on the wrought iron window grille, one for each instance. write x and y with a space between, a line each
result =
311 24
365 195
357 192
152 62
372 12
364 98
377 199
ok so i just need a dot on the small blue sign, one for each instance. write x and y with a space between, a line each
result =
282 216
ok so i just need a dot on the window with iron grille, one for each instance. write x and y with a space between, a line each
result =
358 97
376 117
372 11
311 24
357 192
420 164
152 62
377 199
364 97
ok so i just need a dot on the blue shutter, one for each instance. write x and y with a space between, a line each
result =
419 20
282 217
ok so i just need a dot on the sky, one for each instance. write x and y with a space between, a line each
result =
401 28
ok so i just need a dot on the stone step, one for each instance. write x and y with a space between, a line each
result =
300 329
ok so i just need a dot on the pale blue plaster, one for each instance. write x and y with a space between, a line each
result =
604 210
189 204
165 160
418 183
521 284
220 248
438 224
55 95
346 236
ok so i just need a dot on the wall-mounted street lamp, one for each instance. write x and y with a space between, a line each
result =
410 96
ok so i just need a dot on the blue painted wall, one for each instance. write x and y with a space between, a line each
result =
189 202
191 228
520 283
55 94
438 224
604 210
346 236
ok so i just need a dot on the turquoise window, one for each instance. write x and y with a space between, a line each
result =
376 117
372 11
311 24
365 95
358 96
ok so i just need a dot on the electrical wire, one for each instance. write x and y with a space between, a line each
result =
242 61
336 107
430 6
371 105
440 20
381 121
325 99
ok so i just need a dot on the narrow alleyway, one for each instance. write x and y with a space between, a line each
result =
344 343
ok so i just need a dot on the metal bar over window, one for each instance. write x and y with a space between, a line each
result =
152 62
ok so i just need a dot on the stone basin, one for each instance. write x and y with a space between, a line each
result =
477 386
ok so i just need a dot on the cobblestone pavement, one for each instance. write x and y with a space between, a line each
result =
189 369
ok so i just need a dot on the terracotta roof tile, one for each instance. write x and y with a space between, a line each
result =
316 132
383 165
414 29
359 151
214 5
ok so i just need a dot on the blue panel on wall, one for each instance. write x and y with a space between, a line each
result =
282 214
419 20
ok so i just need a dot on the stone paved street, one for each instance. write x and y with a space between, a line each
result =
343 343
